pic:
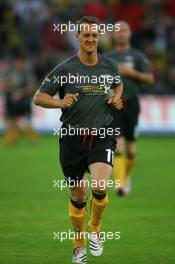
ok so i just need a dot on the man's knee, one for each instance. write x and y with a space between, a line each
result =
100 188
78 196
120 147
131 153
131 150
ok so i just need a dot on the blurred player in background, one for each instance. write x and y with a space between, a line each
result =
134 69
86 105
18 87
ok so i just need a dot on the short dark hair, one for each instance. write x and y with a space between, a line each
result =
87 20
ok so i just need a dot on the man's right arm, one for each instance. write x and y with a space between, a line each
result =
47 101
44 97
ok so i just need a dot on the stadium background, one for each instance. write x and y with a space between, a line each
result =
32 209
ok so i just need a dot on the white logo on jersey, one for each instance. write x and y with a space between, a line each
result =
45 81
106 82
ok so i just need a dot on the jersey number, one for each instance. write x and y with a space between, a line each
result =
110 155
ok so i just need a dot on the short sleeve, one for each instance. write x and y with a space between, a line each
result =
52 82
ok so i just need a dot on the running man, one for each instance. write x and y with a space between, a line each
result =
85 105
18 88
134 69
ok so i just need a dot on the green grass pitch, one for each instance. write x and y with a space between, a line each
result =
31 209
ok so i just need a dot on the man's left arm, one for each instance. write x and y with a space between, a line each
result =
142 74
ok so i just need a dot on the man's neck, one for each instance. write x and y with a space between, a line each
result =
88 59
123 47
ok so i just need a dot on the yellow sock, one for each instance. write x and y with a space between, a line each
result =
119 170
78 219
130 162
11 136
97 209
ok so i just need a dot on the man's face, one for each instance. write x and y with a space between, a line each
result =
123 35
88 37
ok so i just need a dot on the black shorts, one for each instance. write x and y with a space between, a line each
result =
78 152
127 118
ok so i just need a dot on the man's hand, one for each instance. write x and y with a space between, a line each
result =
68 100
116 102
